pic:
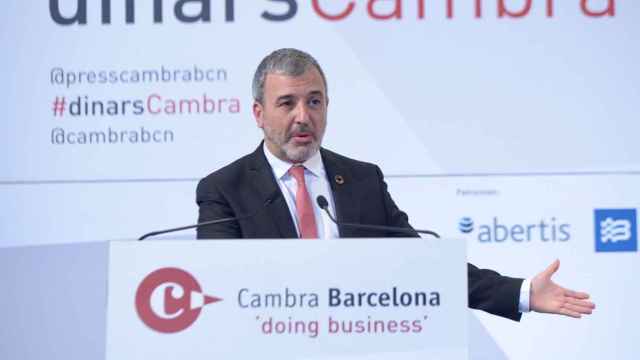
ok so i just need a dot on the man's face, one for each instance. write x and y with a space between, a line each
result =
293 115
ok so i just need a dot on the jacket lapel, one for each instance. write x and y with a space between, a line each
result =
344 189
266 186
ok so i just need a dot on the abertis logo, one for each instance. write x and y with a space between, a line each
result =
465 225
169 300
497 231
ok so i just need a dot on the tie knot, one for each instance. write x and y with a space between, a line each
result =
298 173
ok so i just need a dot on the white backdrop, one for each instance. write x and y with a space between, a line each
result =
507 121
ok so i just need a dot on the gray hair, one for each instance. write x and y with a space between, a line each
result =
290 62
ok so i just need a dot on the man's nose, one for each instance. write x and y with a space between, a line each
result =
302 113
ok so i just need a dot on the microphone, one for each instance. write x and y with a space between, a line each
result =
324 205
273 197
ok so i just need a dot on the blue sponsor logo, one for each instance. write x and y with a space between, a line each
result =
616 230
465 225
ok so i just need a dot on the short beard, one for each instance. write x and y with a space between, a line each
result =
292 153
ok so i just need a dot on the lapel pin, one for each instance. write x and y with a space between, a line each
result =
339 179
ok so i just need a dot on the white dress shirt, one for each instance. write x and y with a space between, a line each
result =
525 289
315 178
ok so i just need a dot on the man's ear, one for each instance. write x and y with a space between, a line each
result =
258 112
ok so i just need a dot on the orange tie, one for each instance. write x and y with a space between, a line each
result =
304 210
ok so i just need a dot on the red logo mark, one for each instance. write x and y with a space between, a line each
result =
169 300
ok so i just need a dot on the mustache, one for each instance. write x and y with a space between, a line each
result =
300 128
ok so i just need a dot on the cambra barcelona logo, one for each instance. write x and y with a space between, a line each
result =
169 300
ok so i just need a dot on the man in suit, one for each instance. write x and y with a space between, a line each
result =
275 186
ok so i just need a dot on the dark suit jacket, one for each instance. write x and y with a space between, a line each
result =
246 185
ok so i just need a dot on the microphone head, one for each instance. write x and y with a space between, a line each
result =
322 202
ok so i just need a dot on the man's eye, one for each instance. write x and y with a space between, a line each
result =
285 103
315 102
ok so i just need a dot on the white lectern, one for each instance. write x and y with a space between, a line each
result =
236 299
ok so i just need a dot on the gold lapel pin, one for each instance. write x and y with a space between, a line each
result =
339 179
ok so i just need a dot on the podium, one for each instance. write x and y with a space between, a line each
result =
236 299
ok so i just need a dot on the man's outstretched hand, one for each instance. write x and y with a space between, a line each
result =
549 297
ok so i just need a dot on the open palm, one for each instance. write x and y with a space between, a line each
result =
549 297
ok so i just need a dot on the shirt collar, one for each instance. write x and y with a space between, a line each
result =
281 168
